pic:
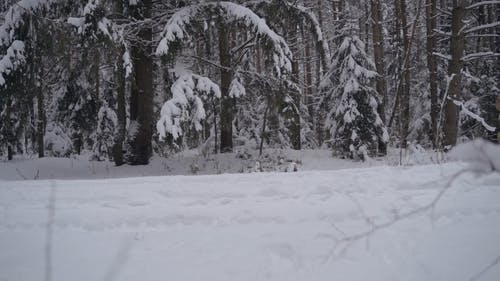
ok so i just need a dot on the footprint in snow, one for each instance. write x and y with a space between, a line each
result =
282 258
271 192
138 203
225 201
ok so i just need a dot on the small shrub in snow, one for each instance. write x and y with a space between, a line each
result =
57 142
481 154
107 124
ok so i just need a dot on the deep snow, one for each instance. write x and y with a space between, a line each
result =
262 226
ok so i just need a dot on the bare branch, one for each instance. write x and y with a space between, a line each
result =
475 5
481 27
479 55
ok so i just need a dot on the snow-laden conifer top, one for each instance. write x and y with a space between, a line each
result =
176 29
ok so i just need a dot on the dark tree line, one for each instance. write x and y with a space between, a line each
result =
126 79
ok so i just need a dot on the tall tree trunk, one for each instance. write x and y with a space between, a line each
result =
120 98
405 81
431 13
8 128
378 51
319 58
494 14
308 77
121 112
36 85
10 152
295 125
97 93
40 128
399 55
226 114
321 68
258 59
457 45
141 101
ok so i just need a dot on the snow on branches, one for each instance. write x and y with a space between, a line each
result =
354 123
324 48
236 89
94 22
8 36
14 18
9 62
186 104
297 14
176 29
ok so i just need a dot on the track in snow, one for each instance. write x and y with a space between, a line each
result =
254 227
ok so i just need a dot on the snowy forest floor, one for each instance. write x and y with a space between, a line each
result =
193 162
421 222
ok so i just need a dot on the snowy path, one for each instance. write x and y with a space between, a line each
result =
254 227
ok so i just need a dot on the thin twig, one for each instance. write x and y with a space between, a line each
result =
349 240
50 232
495 262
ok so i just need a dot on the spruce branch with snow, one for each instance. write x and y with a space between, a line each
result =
187 105
177 29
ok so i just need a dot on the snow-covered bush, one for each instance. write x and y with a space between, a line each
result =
483 156
355 127
57 142
107 124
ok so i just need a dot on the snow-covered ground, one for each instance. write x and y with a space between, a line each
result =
371 223
185 163
193 162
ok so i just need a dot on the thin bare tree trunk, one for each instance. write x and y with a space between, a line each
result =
37 85
263 131
295 126
397 28
258 59
457 45
40 124
405 81
121 111
378 51
321 66
431 13
8 128
308 77
226 114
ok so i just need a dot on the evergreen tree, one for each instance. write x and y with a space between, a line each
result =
355 126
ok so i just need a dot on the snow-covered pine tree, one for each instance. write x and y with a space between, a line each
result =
107 125
356 129
229 19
